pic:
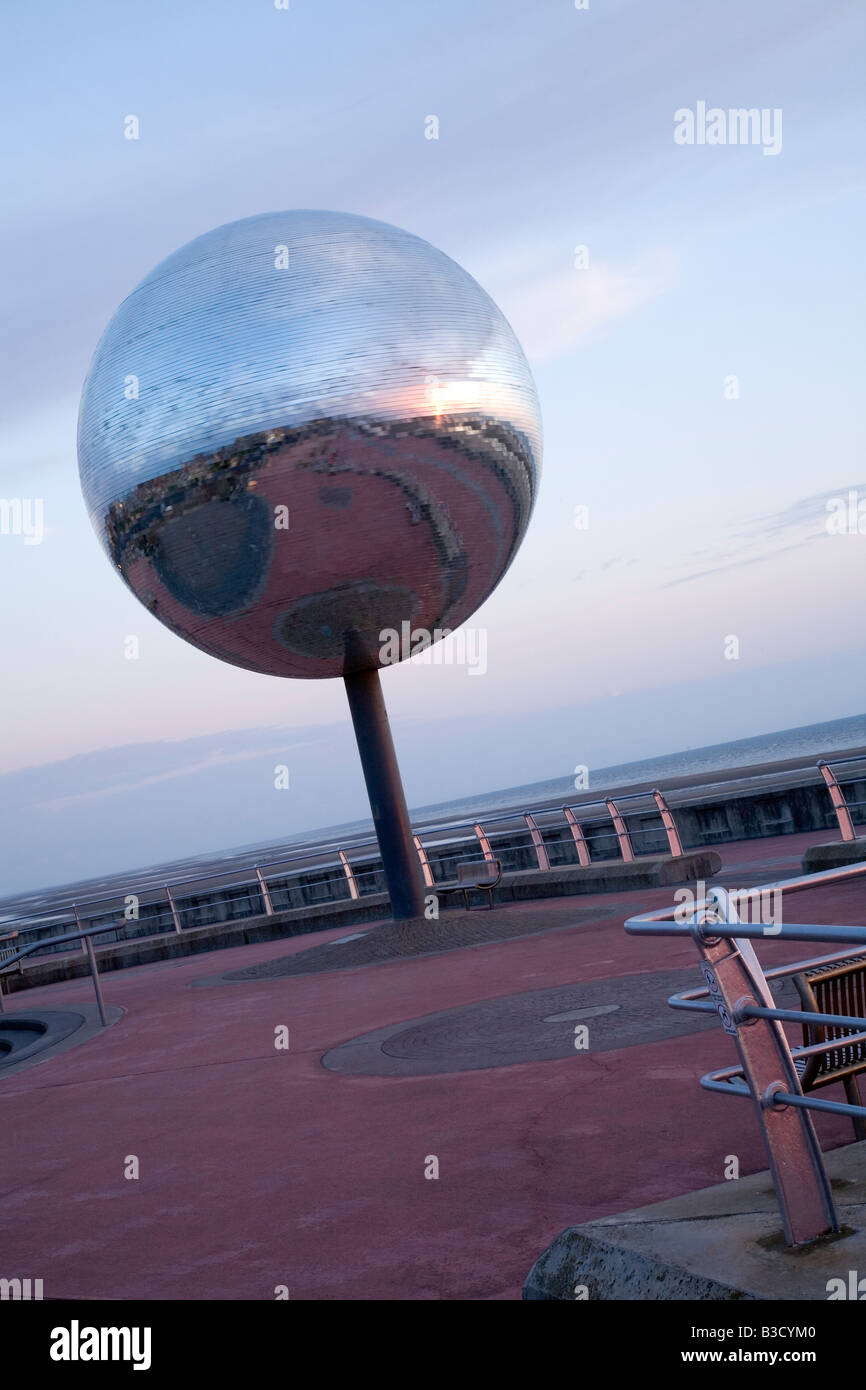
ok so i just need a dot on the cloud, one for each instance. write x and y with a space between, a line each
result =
218 758
732 565
553 313
810 512
801 523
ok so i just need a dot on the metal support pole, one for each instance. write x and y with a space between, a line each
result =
387 801
266 893
538 842
424 861
736 981
97 987
175 915
6 951
674 842
578 836
840 805
350 874
78 924
621 829
484 843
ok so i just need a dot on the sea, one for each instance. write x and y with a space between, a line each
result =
807 742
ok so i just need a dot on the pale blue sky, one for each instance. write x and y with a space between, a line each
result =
556 129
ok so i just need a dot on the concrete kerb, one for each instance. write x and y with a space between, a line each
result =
61 1030
721 1243
837 855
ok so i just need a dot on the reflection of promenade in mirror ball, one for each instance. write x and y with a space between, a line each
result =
328 371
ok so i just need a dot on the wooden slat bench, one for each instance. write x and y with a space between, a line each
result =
481 874
839 988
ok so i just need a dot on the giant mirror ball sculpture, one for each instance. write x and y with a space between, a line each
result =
303 429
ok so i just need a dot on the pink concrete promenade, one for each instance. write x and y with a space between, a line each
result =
259 1167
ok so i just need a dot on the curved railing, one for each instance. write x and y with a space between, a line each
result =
11 958
841 804
348 869
567 835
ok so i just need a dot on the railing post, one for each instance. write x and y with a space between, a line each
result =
266 893
350 875
79 926
175 915
483 842
579 838
840 805
425 862
97 988
675 844
4 952
621 829
735 981
538 842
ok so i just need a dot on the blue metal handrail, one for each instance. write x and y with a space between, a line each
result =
83 934
767 1073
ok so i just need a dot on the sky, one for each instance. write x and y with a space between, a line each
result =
699 366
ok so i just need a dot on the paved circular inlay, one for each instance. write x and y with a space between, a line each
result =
536 1026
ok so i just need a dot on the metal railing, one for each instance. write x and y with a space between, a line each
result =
841 805
326 872
334 871
737 989
84 935
349 869
526 831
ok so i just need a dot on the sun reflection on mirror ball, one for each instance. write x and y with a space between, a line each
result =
303 429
